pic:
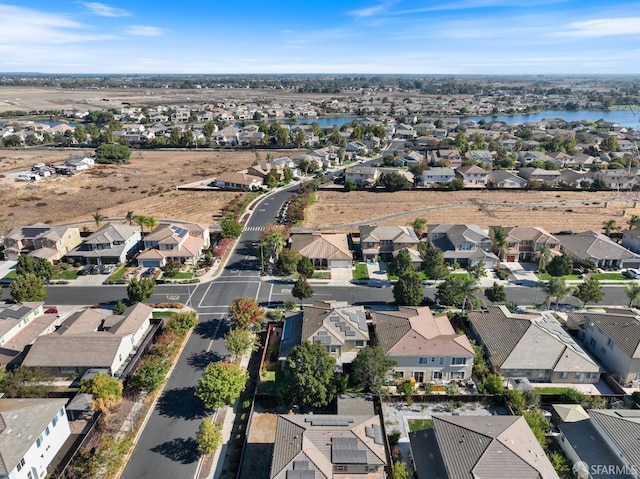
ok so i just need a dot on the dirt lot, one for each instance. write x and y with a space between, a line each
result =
145 186
507 209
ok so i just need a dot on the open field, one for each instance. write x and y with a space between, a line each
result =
508 208
145 186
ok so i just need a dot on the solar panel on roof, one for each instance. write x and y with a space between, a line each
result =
344 442
351 332
329 421
322 339
348 456
301 474
301 465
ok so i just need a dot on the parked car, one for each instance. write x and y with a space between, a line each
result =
632 273
148 273
51 311
95 269
86 270
107 268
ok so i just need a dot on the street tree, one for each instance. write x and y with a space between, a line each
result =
28 287
633 293
590 290
459 292
245 312
496 293
500 240
434 266
37 266
308 376
180 322
408 290
288 261
544 254
305 267
560 265
209 436
240 341
401 264
302 289
370 368
231 228
140 290
556 288
221 384
151 374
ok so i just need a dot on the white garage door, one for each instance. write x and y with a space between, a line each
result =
340 264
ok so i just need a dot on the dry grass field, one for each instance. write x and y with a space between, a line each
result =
507 208
145 186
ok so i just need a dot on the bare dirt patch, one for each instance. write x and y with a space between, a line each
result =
145 186
576 211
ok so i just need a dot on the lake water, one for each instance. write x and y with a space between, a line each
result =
626 118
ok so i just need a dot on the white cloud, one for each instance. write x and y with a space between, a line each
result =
103 10
604 27
144 31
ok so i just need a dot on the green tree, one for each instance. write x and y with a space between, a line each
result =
26 383
408 290
500 240
273 240
400 470
231 228
305 267
209 436
590 290
139 290
434 266
37 266
493 384
271 180
610 226
401 264
28 287
560 265
632 291
496 293
308 376
469 290
129 217
544 254
180 322
245 312
209 129
151 374
350 185
634 222
561 464
419 225
119 308
516 400
171 268
556 288
287 173
98 218
288 261
370 368
302 289
240 341
80 134
108 153
478 270
610 143
459 292
221 384
103 386
394 181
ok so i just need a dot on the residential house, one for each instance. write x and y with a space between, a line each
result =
228 136
340 328
90 339
325 250
424 347
172 242
548 177
613 337
532 345
265 169
576 179
357 147
473 176
382 241
436 176
599 249
526 243
504 179
452 158
462 447
32 431
328 447
238 181
465 245
525 156
631 240
113 243
483 157
363 176
79 162
606 443
621 179
42 241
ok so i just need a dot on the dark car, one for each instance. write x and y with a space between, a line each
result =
86 270
95 269
51 311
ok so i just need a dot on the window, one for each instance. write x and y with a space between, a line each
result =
564 375
465 247
418 376
372 468
341 468
20 464
433 359
436 375
441 361
55 421
29 475
39 441
610 343
360 343
423 360
458 361
398 374
47 431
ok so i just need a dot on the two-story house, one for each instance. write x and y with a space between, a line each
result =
532 345
113 243
32 431
621 179
90 339
527 242
613 337
598 249
363 176
172 242
504 179
425 347
41 241
452 158
549 177
382 241
437 176
473 176
339 327
465 245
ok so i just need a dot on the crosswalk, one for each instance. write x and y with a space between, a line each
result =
254 228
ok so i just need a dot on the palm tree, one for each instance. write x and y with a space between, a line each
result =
469 290
544 254
98 218
634 222
609 226
150 222
129 217
633 293
500 241
556 288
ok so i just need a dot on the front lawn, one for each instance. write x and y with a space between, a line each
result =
182 275
569 277
360 271
11 275
162 314
66 274
322 274
419 424
119 273
609 276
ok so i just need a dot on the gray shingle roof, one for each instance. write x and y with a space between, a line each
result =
623 328
622 427
590 244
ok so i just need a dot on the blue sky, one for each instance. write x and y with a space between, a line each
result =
277 36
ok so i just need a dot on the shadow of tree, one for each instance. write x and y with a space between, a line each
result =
184 451
181 403
212 329
201 360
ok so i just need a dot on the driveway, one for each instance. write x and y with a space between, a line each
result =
377 272
524 273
